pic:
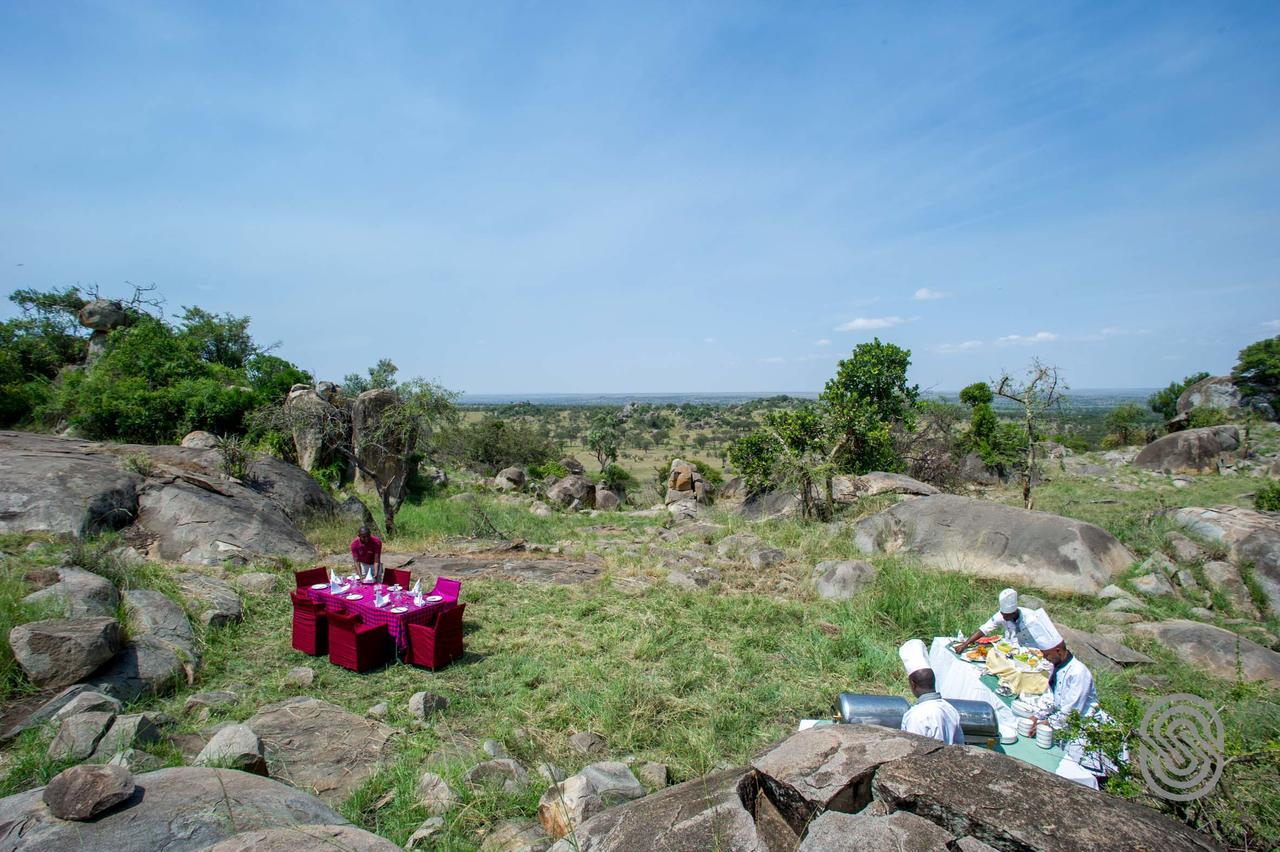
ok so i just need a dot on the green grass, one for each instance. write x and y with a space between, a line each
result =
692 679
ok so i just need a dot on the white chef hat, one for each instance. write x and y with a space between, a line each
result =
1008 601
1042 631
913 656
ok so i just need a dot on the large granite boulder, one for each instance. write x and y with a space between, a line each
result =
1214 392
579 797
185 505
509 479
1250 536
103 315
872 831
870 788
385 455
202 521
295 838
685 482
1100 653
153 613
60 651
824 768
995 541
1191 451
955 787
147 665
1214 649
171 809
199 440
50 484
311 420
769 505
848 489
316 745
217 600
706 813
573 489
81 594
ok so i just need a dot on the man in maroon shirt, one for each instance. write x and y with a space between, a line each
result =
366 550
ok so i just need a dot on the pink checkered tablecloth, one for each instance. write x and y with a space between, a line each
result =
397 622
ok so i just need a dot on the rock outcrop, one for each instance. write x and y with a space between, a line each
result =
1191 451
866 787
685 482
311 420
1252 537
848 489
986 539
385 453
59 652
184 509
179 808
1214 392
573 490
1214 650
316 745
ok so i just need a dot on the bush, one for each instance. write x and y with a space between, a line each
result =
618 479
547 470
1268 498
1258 371
493 444
711 474
1199 418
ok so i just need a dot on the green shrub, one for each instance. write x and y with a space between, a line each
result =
1199 418
1165 402
493 444
1267 499
139 463
711 474
618 479
548 469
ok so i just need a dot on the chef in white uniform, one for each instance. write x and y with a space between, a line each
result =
1070 688
1012 621
932 715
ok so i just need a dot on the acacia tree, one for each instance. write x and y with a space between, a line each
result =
398 428
849 430
1040 391
604 438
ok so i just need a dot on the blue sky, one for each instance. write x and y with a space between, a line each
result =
535 197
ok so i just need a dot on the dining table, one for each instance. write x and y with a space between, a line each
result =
397 613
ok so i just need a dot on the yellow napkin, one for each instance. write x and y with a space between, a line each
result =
1034 683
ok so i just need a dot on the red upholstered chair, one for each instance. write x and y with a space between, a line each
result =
355 646
311 576
393 576
310 625
436 647
447 589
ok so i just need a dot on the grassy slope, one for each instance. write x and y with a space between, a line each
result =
691 679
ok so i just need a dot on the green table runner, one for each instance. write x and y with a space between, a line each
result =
1025 749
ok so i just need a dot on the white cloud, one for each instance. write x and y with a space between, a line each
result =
822 342
870 323
924 294
1271 324
774 360
1024 340
953 348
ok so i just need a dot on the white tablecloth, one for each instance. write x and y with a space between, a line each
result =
957 679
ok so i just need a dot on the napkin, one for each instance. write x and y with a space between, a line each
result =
418 600
417 589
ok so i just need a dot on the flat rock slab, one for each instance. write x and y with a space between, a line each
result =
1191 450
705 813
171 809
316 745
1252 537
297 838
1038 810
427 566
81 593
828 767
57 485
986 539
61 651
1099 652
900 831
1213 649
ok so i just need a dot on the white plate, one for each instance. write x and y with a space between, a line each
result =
399 609
434 598
354 597
319 586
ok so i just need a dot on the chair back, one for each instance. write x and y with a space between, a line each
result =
449 622
303 604
343 621
446 588
311 576
398 575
